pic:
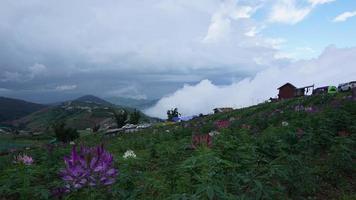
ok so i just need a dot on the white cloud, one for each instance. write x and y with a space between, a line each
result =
334 66
292 11
66 87
287 11
316 2
344 16
220 25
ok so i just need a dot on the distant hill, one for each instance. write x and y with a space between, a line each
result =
11 109
139 104
93 99
81 113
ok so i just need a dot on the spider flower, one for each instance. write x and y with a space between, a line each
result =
88 167
24 159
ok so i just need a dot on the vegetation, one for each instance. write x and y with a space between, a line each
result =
120 118
135 117
172 114
301 148
64 134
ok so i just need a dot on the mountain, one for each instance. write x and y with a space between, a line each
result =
139 104
81 113
11 109
93 99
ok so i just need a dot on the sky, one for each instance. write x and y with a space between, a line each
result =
190 54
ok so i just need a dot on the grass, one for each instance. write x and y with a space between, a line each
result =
256 157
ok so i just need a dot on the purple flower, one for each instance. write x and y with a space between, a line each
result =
88 167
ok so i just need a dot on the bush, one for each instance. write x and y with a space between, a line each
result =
64 134
135 117
120 118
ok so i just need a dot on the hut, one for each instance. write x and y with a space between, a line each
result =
287 91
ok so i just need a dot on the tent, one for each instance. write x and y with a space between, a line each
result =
332 90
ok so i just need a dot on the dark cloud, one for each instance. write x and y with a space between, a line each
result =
150 46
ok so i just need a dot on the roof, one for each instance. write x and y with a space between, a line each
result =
287 84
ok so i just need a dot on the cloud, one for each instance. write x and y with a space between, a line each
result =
332 67
27 74
66 87
344 16
316 2
220 25
292 11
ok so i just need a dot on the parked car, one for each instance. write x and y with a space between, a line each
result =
346 86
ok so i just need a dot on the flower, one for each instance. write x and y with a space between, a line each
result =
129 154
199 140
214 133
222 123
24 159
88 167
285 123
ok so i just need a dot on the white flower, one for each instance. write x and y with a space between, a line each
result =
214 133
285 123
129 154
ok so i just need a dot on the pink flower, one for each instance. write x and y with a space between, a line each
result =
24 159
199 140
222 123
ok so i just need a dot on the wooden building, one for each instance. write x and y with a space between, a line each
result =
288 91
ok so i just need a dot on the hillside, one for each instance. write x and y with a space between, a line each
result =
303 148
82 113
11 109
139 104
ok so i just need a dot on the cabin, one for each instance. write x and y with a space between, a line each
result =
288 91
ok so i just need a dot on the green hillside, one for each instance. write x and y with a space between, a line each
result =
84 112
11 109
302 148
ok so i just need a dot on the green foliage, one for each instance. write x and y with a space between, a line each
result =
266 161
172 113
120 118
64 134
135 117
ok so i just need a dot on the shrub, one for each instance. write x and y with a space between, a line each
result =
64 134
172 114
135 117
120 118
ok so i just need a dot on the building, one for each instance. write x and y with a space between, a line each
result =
288 91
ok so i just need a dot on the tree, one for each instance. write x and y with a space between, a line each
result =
64 134
135 117
173 113
120 118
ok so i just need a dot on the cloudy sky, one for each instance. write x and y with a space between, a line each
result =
194 54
